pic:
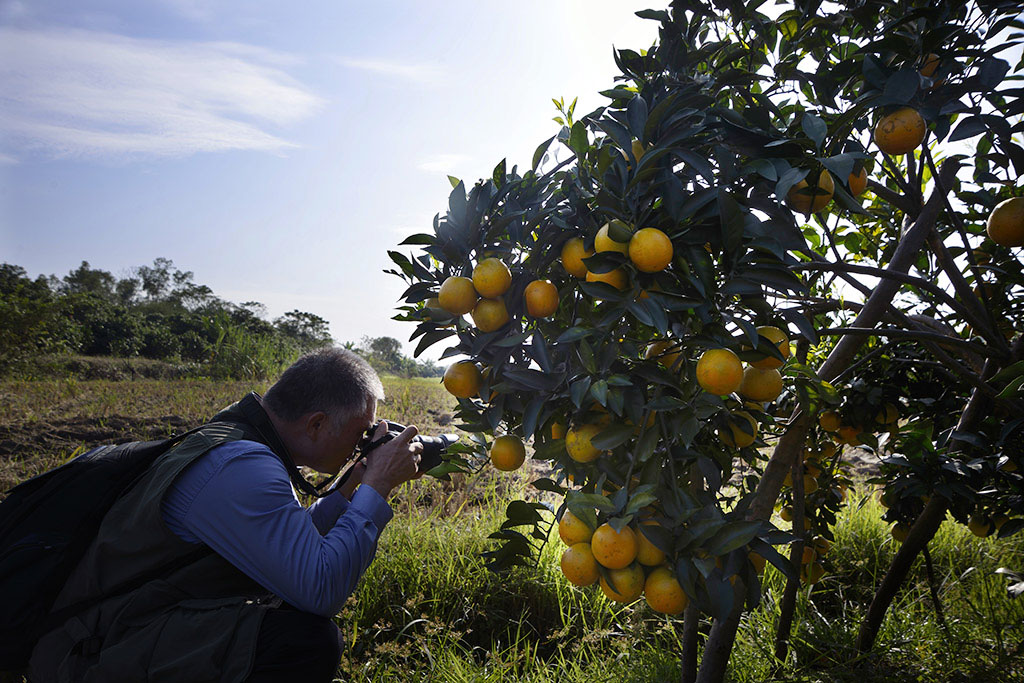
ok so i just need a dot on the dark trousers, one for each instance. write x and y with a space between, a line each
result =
296 647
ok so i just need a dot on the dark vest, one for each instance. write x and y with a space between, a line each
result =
197 623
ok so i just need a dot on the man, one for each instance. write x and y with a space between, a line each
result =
230 578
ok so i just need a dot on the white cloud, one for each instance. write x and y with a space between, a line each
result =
7 159
78 93
443 163
424 74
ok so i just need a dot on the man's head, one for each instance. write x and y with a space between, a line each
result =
322 404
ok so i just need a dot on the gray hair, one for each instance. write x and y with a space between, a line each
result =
335 381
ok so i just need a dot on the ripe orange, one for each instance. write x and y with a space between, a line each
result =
457 295
979 525
821 545
849 434
761 385
579 566
614 549
638 150
558 430
736 437
812 573
650 250
828 450
604 242
647 553
1006 223
858 183
887 415
900 132
663 592
900 531
719 371
629 584
660 350
758 561
781 340
807 199
786 513
462 379
541 298
490 315
573 253
577 442
808 555
573 530
508 453
810 484
616 278
929 64
491 278
829 421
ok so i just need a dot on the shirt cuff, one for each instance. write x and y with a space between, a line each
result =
371 504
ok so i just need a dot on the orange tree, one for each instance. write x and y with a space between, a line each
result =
613 295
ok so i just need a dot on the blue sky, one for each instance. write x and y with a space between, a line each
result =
276 149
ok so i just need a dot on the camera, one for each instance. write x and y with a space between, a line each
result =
433 446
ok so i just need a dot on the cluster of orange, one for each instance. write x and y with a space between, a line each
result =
633 566
649 249
844 431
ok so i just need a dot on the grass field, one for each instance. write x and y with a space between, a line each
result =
428 610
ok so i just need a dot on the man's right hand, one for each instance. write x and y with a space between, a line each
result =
393 463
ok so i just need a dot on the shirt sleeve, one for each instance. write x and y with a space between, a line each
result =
248 513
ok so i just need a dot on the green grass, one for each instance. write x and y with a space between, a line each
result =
428 610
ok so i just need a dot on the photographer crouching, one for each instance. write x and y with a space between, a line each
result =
210 569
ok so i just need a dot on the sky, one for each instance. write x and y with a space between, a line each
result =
275 149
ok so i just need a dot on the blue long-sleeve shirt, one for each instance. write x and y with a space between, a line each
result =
238 500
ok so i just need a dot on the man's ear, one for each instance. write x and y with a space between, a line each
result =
316 425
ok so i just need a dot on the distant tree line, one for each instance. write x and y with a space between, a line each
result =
158 312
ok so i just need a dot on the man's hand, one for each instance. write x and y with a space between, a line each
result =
354 479
393 463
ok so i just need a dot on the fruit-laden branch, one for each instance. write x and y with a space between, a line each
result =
723 632
922 531
970 315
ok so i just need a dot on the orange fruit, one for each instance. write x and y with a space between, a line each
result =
616 278
558 430
979 525
808 555
462 379
812 573
900 132
457 295
736 437
638 150
663 592
849 434
828 450
647 553
761 385
573 530
660 350
929 64
781 340
821 545
888 414
719 371
810 484
900 531
829 421
508 453
491 278
629 584
758 561
577 442
573 253
490 315
604 242
650 250
541 298
786 513
858 183
579 566
614 549
1006 223
807 199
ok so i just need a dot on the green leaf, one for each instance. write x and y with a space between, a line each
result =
541 149
578 141
815 128
732 536
612 436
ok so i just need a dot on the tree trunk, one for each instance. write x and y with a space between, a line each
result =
788 606
723 631
691 627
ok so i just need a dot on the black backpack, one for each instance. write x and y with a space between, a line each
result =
46 525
